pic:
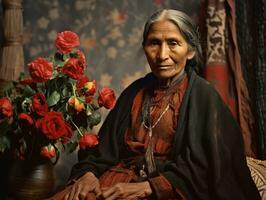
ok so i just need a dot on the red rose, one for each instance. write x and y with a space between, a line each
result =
26 118
81 82
48 151
73 68
26 81
39 104
89 99
6 108
66 41
90 88
41 70
88 140
69 134
107 98
81 57
53 126
25 121
86 87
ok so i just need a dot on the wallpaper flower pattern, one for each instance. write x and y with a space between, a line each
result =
110 32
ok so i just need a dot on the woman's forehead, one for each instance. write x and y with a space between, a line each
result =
164 28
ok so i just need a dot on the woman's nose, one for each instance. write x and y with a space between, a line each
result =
163 52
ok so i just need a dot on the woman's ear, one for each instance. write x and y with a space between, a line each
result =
190 55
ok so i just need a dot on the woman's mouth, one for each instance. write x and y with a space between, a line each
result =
164 66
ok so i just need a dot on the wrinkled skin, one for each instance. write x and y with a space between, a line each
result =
89 183
167 50
129 191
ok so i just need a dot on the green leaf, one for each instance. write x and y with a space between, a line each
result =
70 147
21 76
59 63
53 99
28 91
66 92
71 81
66 56
94 119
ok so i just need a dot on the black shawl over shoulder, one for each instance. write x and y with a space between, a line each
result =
208 161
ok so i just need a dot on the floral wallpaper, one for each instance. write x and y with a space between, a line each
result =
110 32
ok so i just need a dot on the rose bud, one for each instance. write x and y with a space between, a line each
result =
26 81
88 140
90 88
107 98
48 151
76 104
81 82
6 108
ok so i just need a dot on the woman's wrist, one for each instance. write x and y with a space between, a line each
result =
146 187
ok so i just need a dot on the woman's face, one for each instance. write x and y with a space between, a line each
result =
166 50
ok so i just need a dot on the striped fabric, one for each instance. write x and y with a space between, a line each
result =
258 173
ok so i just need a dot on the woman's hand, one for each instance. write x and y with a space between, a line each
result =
127 191
87 183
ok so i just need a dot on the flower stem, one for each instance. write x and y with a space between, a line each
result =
76 127
73 89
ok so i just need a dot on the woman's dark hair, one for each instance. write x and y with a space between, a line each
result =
183 23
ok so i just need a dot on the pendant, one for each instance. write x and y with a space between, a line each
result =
150 132
142 172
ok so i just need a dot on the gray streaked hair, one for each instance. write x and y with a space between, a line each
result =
183 22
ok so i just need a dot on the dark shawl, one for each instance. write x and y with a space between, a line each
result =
208 160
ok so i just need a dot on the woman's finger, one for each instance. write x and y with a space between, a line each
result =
72 192
97 191
68 190
77 192
108 193
66 196
84 192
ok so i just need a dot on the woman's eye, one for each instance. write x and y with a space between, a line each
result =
153 42
172 43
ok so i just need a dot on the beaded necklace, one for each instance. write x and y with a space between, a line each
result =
147 123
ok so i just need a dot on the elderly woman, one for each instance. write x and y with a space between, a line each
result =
170 136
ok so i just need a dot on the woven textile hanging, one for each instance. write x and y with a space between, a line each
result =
223 68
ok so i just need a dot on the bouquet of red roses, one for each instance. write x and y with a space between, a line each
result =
55 108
